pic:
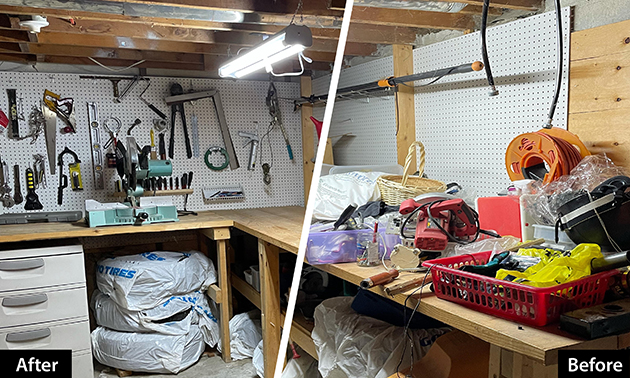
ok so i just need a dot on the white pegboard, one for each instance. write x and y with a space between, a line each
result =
465 131
368 120
243 103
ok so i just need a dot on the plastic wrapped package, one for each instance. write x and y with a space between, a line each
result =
332 247
259 360
175 316
543 201
245 334
554 267
141 282
351 345
336 192
492 244
147 352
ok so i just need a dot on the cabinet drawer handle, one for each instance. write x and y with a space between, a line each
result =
28 335
25 264
27 300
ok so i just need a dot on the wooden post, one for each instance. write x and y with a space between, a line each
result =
222 235
406 110
269 260
308 136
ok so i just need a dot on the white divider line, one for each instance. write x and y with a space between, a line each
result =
332 94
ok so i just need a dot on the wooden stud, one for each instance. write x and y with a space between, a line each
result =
217 233
494 367
328 154
406 110
226 298
308 135
268 257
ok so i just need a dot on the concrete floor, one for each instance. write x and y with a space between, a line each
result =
206 367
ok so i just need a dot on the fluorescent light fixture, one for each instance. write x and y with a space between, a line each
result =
290 41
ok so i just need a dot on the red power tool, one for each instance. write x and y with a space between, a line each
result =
452 216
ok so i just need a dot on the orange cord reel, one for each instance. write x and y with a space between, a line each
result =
544 155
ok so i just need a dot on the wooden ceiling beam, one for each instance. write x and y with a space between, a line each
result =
111 42
309 7
361 33
532 5
433 20
100 53
412 18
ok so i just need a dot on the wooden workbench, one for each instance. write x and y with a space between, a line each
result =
275 228
513 346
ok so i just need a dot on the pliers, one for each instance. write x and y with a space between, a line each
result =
176 89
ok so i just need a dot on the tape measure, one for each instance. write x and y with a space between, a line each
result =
544 155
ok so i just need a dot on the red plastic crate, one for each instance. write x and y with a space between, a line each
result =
509 300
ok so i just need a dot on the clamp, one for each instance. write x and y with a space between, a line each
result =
220 150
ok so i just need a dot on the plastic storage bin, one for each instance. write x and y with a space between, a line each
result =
509 300
341 246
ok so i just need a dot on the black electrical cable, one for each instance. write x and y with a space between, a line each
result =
408 322
484 48
560 45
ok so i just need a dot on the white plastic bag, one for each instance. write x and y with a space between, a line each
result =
147 352
303 367
336 192
259 360
245 334
352 345
141 282
194 305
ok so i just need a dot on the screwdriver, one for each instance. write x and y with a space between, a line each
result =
153 151
185 181
162 147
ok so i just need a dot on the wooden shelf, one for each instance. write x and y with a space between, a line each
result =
301 328
159 193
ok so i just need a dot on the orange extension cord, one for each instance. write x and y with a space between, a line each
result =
559 149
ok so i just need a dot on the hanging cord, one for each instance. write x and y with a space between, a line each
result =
266 135
408 324
300 7
560 68
484 48
301 57
601 222
116 70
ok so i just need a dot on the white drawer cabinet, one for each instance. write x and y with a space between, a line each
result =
82 364
42 305
41 267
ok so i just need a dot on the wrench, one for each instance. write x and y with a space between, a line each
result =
6 199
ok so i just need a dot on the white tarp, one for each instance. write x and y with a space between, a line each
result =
352 345
142 282
258 360
147 352
245 334
336 192
109 314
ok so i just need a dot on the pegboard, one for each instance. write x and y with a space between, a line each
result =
367 120
243 103
466 132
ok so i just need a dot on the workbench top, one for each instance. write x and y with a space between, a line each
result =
539 344
280 226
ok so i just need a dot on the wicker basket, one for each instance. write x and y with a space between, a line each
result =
396 188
